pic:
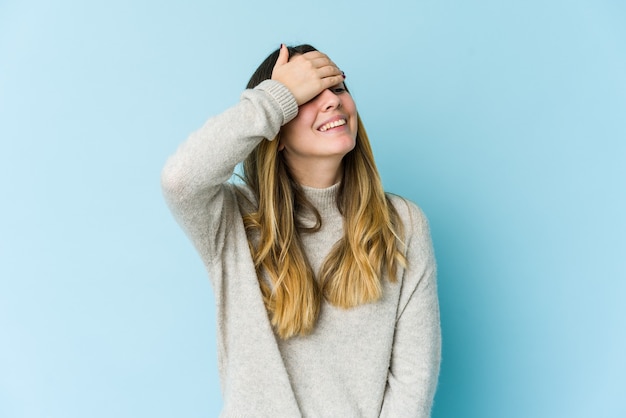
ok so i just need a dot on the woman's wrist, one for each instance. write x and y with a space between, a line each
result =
283 97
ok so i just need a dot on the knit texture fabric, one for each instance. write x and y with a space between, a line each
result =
376 360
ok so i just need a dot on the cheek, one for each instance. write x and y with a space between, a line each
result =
350 108
304 120
293 132
292 128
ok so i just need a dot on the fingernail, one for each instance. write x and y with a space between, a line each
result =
343 74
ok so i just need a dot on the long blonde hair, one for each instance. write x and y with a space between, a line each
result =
352 272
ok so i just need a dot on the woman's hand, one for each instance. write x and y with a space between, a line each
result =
306 75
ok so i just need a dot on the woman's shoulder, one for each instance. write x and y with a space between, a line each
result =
412 216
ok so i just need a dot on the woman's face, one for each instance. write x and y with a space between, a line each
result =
324 130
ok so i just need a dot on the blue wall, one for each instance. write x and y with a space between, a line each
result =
504 120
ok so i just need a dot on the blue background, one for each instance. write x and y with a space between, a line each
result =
504 120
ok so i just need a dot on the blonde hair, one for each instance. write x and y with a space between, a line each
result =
352 272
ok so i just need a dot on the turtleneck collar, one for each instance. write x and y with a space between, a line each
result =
323 199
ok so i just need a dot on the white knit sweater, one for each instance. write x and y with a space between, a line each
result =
379 359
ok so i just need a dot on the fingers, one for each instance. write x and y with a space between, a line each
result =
306 75
329 82
329 71
319 60
321 68
283 55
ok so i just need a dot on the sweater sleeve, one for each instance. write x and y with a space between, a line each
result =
416 352
194 178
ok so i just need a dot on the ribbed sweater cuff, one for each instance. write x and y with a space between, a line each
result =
283 96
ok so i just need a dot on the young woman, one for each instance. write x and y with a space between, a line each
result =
325 286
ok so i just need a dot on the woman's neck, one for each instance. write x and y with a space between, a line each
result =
320 175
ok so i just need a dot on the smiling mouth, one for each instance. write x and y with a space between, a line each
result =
331 125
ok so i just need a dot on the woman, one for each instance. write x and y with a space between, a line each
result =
325 286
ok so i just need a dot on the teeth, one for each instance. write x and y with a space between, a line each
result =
334 124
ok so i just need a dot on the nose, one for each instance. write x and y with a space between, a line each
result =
329 100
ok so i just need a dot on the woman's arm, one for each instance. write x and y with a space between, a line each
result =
416 353
193 178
